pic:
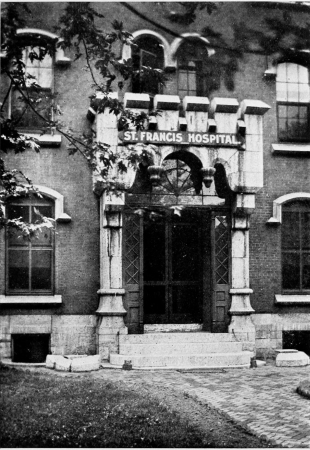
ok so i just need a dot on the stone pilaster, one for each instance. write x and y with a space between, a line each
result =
111 311
241 324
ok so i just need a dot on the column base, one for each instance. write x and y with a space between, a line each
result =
241 325
110 324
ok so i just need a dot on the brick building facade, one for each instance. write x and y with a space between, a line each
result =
237 259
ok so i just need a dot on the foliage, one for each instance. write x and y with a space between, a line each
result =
80 29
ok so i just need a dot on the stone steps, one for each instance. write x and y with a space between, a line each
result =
170 338
211 360
177 348
180 351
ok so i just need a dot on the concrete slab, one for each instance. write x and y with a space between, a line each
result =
292 359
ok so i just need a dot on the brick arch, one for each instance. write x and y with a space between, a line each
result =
60 57
126 52
277 205
179 41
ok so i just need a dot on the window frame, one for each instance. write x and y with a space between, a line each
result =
279 103
28 247
32 44
295 206
200 74
137 58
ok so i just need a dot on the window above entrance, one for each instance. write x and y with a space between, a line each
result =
192 73
148 54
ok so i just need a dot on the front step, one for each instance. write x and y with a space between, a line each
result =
180 351
211 360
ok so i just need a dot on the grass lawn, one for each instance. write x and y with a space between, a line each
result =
40 408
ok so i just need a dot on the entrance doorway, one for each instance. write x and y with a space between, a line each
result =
176 269
174 260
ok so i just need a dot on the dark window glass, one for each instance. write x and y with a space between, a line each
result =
296 246
193 72
185 253
149 53
30 261
185 299
154 300
154 252
293 97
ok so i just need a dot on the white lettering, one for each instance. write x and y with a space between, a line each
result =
142 135
162 137
228 140
198 138
191 137
133 135
205 139
127 136
212 138
155 136
179 137
169 137
234 141
148 136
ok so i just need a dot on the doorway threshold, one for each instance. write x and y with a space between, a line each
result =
173 328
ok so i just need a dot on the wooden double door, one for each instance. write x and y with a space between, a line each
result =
176 269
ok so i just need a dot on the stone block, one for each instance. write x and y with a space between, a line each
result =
291 358
50 361
63 364
86 364
4 325
29 324
5 349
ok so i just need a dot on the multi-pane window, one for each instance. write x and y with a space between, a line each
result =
296 247
293 102
39 82
192 71
148 54
30 261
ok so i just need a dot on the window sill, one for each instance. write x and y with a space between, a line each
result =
292 299
291 149
48 140
30 299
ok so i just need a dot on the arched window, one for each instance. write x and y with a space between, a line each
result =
148 53
30 263
192 58
296 247
293 102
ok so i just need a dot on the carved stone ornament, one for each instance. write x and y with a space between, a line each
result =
207 175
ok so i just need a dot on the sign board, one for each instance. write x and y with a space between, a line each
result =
182 138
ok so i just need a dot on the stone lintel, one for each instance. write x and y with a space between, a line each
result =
100 95
292 299
241 291
111 292
224 105
167 102
30 299
191 103
294 149
136 101
45 140
255 107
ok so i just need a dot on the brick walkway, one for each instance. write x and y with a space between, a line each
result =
264 399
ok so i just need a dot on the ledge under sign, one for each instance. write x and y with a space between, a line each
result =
182 138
